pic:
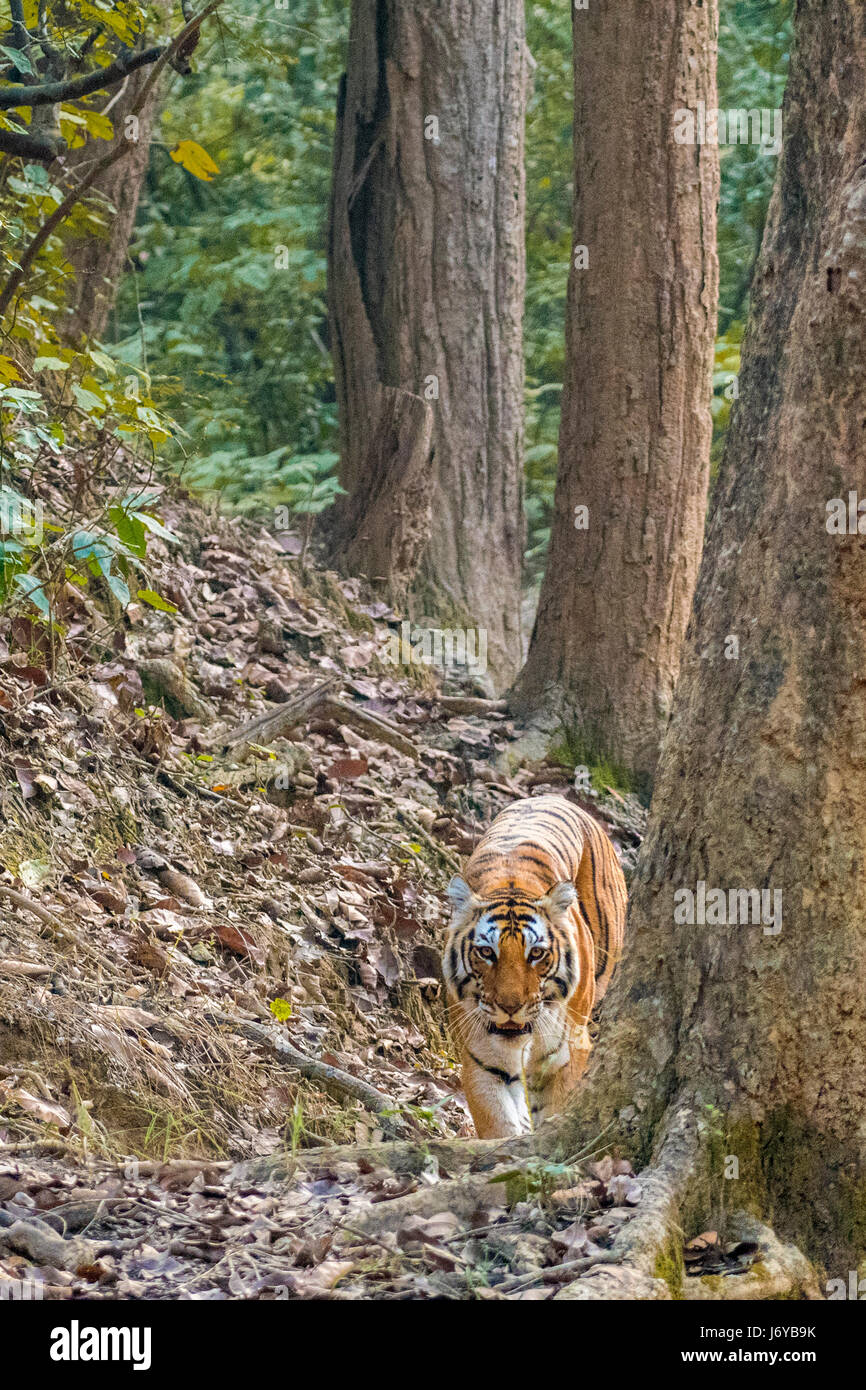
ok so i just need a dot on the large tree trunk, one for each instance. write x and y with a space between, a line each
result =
426 273
98 261
761 782
635 433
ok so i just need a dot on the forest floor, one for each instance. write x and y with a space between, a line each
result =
218 946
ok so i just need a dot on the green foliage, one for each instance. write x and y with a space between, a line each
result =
549 182
306 483
226 306
39 556
84 36
56 398
754 45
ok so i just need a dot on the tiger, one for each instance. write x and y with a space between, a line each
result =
537 927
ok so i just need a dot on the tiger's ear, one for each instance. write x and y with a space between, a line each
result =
560 897
461 894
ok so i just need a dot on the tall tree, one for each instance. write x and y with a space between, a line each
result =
97 255
636 430
426 271
761 782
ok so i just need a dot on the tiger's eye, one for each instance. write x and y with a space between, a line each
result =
536 953
486 952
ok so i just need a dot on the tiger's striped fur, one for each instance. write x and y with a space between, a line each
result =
537 929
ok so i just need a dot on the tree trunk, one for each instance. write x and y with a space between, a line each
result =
635 433
98 261
386 527
762 781
426 275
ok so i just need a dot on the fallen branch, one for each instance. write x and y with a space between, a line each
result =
25 904
367 725
553 1274
334 1079
275 723
318 701
471 704
454 1156
43 1246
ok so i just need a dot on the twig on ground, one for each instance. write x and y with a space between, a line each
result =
553 1274
367 725
471 704
332 1078
25 904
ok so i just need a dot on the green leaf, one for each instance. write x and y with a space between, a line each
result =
98 125
130 530
34 588
87 400
15 55
119 588
155 525
156 600
50 364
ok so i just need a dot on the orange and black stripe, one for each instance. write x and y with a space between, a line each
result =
535 844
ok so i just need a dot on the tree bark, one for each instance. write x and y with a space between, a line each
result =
98 261
636 429
426 277
384 529
762 781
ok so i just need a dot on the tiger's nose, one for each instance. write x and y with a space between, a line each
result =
511 1006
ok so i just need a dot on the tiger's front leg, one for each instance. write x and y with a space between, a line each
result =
497 1098
554 1070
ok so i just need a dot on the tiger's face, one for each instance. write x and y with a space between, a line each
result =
510 957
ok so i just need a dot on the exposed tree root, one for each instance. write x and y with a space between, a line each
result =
453 1157
645 1261
471 1198
782 1271
650 1244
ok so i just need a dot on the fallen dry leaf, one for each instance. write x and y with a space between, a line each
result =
43 1110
